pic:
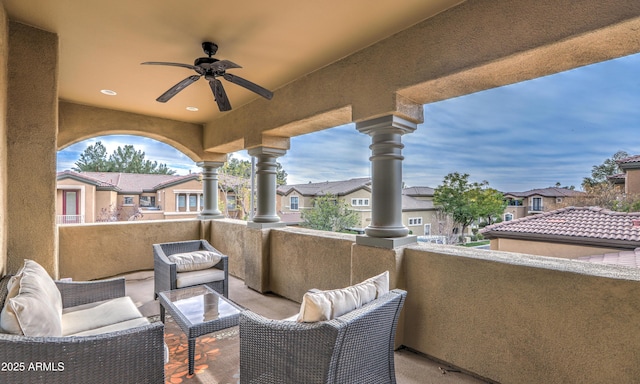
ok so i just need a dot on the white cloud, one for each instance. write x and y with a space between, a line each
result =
523 136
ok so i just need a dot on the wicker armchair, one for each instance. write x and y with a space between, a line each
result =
354 348
134 355
166 276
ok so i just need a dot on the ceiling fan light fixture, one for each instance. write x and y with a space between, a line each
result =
108 92
192 109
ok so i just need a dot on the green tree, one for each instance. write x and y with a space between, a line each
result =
559 185
127 160
599 173
235 177
466 202
608 196
491 203
281 175
242 168
329 214
238 168
93 159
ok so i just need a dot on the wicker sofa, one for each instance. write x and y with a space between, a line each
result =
133 355
167 276
356 347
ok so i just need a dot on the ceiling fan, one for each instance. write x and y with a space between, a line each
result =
211 69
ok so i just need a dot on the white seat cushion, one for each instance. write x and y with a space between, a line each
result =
87 317
188 279
194 261
114 327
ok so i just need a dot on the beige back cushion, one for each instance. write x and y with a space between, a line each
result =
194 261
326 305
33 306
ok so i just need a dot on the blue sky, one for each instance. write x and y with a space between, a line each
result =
517 137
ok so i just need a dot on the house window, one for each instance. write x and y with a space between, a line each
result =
360 202
147 201
193 203
231 202
128 200
427 229
536 204
293 203
508 216
514 203
182 203
415 221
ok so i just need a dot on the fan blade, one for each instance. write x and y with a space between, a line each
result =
171 64
253 87
223 65
177 88
220 95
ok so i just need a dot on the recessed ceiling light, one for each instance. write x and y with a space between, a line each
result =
192 109
108 92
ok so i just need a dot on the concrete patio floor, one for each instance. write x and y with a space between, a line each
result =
411 368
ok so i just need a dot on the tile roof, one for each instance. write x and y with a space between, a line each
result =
631 162
618 178
627 258
338 188
630 159
291 218
410 203
418 191
84 177
584 225
127 182
547 192
132 182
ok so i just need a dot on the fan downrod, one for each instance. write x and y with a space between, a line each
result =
209 48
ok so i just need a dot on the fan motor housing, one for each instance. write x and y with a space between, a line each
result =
204 60
209 48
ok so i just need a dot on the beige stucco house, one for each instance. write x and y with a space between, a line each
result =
631 176
534 201
569 233
418 212
87 197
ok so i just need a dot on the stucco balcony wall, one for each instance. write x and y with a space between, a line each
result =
508 317
301 259
99 250
519 318
230 237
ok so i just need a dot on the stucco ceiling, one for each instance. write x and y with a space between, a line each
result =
102 44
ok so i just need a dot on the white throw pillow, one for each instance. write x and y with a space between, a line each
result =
36 308
194 261
326 305
382 283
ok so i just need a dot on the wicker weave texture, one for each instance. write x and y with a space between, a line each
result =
354 348
165 274
135 355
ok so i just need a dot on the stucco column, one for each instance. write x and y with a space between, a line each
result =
266 184
209 190
386 180
31 124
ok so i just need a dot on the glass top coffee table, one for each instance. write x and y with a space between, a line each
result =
197 311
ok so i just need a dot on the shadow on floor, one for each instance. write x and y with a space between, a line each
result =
411 367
